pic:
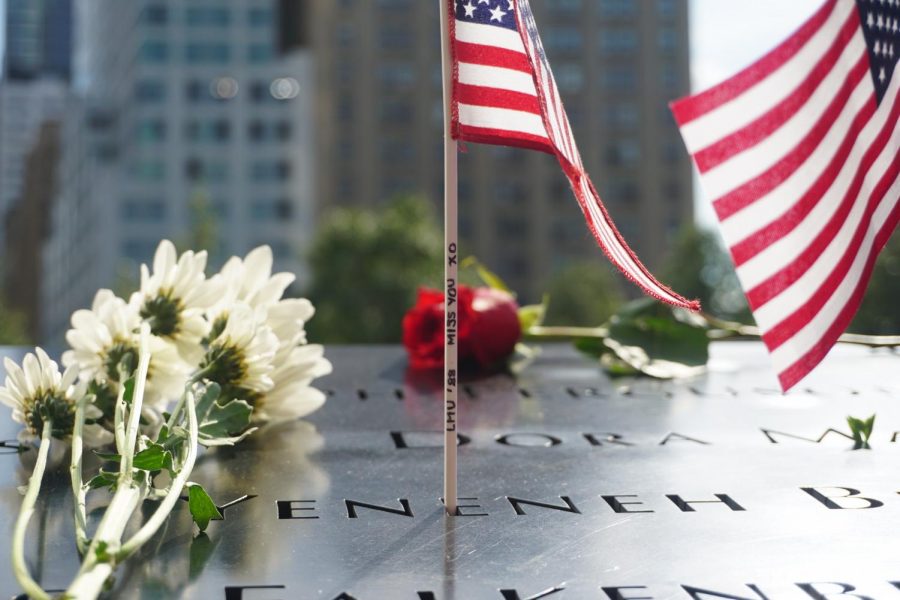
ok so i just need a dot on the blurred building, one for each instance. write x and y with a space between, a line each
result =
207 141
617 62
24 106
27 226
38 37
36 66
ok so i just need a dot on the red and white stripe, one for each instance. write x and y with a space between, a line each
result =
803 169
505 94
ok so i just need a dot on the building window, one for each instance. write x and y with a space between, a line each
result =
564 6
199 130
618 41
272 210
570 77
262 131
617 8
148 170
139 251
398 150
667 9
346 35
668 39
143 211
621 116
211 171
151 130
396 112
396 74
150 91
259 17
154 52
563 40
208 15
270 170
618 79
155 14
259 53
396 38
623 153
207 52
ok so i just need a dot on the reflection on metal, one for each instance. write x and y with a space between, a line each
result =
572 486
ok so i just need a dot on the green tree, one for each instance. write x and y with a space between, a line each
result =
878 314
584 295
699 267
13 327
366 267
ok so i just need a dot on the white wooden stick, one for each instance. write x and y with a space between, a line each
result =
451 260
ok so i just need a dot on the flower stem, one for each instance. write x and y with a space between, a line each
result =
119 420
78 492
195 378
100 558
165 508
134 416
29 585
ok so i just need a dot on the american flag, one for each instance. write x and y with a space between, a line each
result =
504 93
800 155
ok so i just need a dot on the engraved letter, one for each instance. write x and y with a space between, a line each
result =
427 439
810 589
683 438
406 511
517 502
850 495
696 593
236 592
685 505
613 593
287 510
612 438
546 441
619 507
514 595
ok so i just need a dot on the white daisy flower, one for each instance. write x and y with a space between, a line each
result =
240 358
37 392
291 396
101 338
250 280
175 298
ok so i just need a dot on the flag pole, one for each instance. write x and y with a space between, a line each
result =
450 269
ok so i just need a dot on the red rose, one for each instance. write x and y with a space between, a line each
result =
487 333
496 329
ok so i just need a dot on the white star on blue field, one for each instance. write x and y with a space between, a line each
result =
487 12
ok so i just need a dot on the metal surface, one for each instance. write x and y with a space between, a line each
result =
561 432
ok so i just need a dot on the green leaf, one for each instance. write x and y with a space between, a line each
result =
108 456
533 314
862 431
593 347
225 421
657 340
129 391
103 479
153 458
487 276
210 394
203 509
